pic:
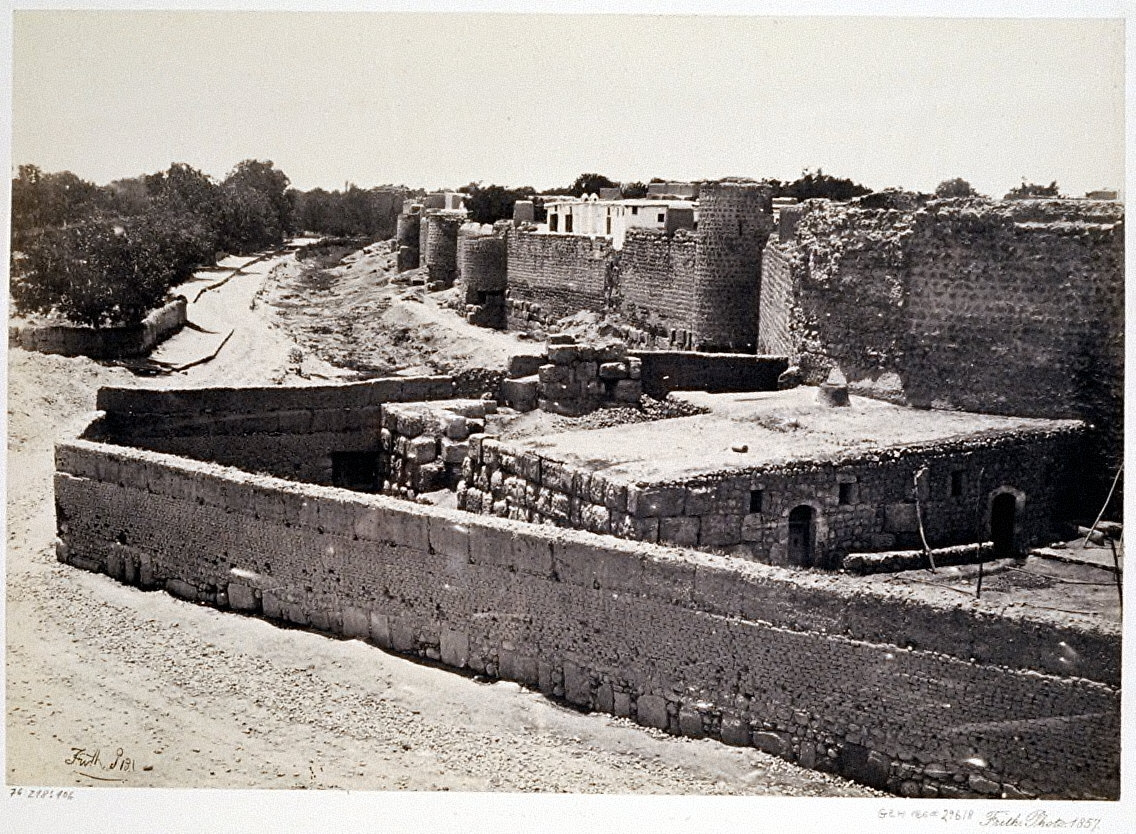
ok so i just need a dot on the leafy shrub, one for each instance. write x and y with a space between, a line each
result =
97 273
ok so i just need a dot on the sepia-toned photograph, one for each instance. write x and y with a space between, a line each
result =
475 419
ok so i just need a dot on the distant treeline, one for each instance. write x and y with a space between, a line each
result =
106 255
489 203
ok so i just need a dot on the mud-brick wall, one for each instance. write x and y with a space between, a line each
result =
656 287
558 274
291 432
734 223
917 693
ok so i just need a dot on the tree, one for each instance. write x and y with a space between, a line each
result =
96 273
256 211
1029 190
633 190
957 187
811 185
590 184
41 200
490 203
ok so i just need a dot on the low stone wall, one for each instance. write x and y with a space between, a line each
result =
674 370
103 342
424 444
917 693
311 433
864 502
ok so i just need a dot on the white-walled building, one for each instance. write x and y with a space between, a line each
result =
612 218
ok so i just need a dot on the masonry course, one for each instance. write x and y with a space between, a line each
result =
814 668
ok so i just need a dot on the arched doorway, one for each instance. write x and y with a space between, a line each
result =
802 536
1003 515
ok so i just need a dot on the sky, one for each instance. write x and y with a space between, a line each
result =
441 100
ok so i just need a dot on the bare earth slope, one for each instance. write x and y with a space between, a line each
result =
194 697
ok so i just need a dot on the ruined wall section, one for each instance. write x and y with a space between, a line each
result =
552 276
838 295
822 670
1012 307
408 232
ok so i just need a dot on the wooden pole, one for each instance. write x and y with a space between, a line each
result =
919 518
1100 515
981 536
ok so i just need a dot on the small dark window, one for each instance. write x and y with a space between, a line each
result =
553 222
635 209
958 481
662 217
356 470
568 223
609 225
847 493
755 500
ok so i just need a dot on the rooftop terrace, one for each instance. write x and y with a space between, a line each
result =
775 427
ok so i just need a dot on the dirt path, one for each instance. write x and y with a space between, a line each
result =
193 697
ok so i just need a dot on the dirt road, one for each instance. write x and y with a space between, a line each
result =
111 686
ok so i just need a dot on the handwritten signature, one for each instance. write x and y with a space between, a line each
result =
92 759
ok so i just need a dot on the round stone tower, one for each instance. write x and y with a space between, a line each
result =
440 253
735 220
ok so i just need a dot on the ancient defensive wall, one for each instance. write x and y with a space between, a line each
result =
677 289
921 692
1012 307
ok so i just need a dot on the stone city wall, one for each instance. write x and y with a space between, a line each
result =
861 503
917 693
656 287
552 276
678 289
1012 307
103 342
291 432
